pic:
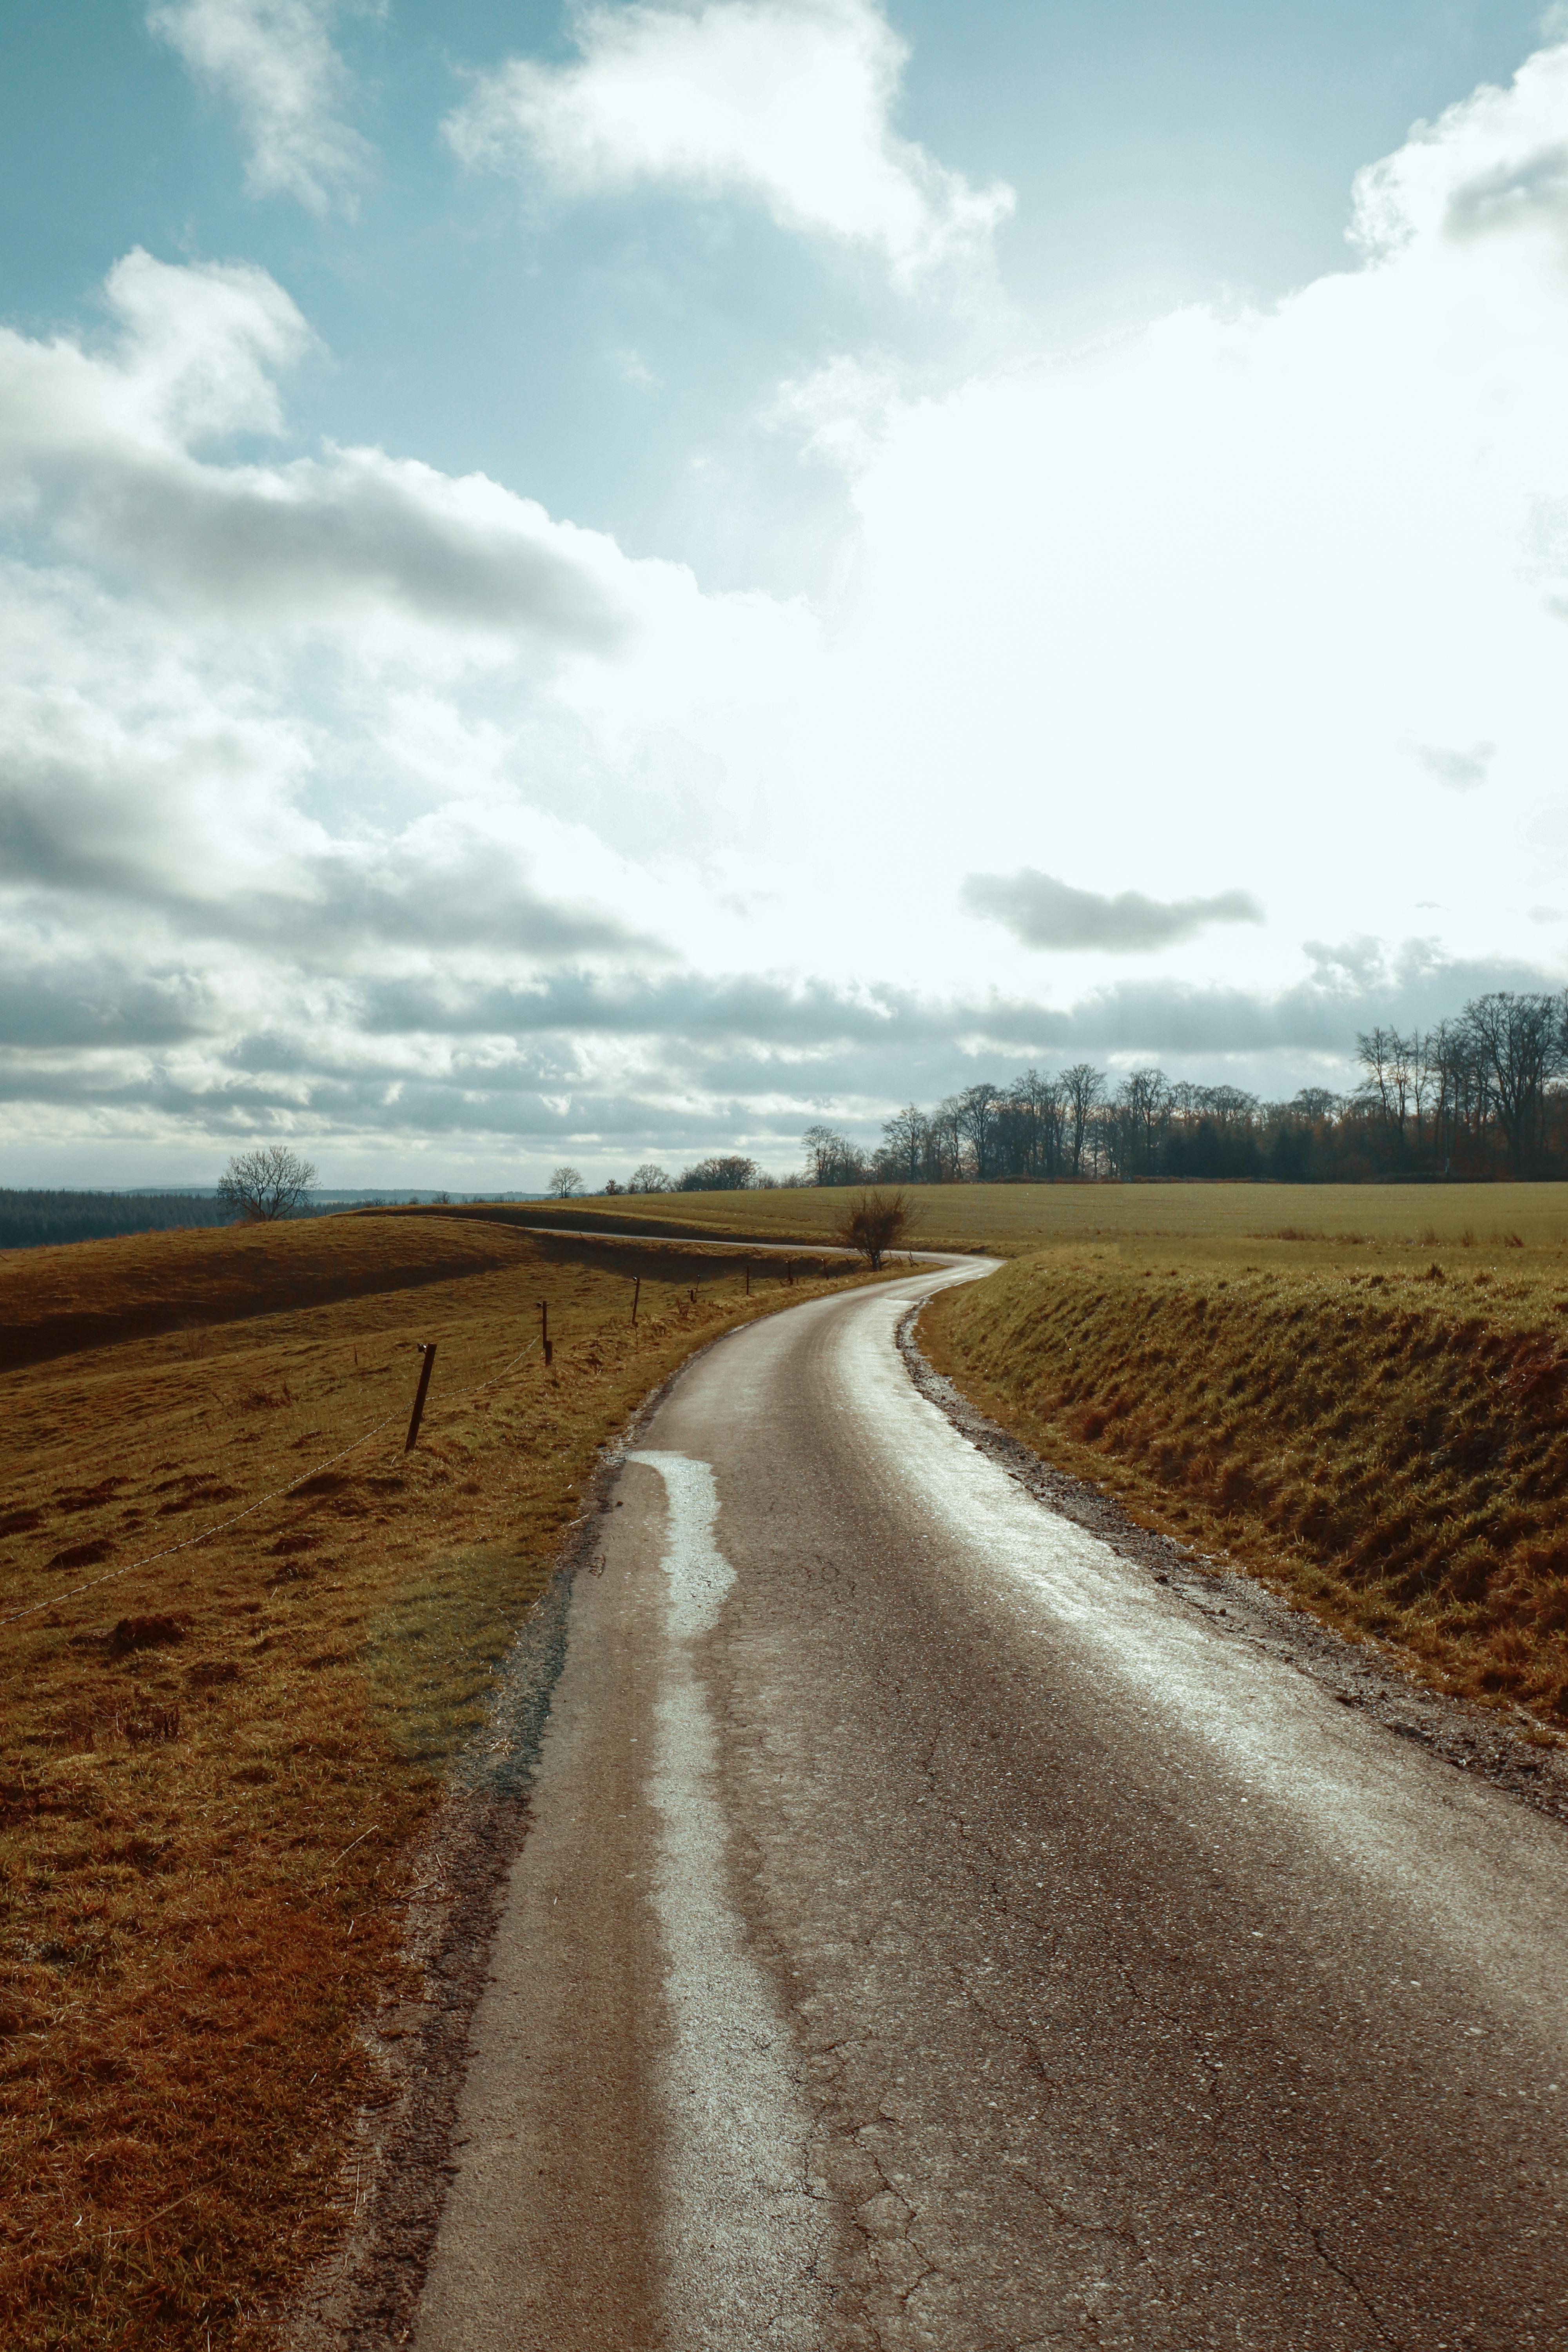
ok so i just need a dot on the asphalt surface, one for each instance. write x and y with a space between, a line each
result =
932 1933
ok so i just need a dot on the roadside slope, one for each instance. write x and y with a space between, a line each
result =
1390 1448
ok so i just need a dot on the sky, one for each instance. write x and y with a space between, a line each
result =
611 583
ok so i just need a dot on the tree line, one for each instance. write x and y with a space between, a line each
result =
1481 1095
32 1220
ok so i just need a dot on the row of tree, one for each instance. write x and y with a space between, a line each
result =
1481 1095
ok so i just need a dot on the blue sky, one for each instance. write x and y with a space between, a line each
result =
604 584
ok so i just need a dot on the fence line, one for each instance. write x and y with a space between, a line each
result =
189 1543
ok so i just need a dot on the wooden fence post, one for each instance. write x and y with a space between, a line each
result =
747 1277
544 1330
636 1293
427 1349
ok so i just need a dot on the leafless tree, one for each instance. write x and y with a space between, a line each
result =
1030 1125
977 1114
944 1142
650 1178
904 1141
1084 1088
270 1182
1520 1042
1315 1104
874 1225
1143 1107
831 1158
731 1173
566 1184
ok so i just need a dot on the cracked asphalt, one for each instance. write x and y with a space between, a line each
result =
933 1931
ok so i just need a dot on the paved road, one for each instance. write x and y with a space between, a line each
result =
934 1933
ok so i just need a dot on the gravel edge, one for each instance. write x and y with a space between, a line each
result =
1365 1675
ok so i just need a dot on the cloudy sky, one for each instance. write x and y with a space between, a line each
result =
589 583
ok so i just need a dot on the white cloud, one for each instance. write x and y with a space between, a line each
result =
372 783
788 102
99 451
1497 162
275 63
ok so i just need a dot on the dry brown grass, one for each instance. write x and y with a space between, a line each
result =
1379 1428
205 1816
1010 1219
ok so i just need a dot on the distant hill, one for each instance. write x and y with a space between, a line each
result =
32 1220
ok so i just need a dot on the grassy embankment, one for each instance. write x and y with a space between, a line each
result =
206 1818
1360 1394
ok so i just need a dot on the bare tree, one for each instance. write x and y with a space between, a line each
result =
904 1139
1144 1108
730 1173
651 1177
944 1142
270 1182
977 1114
1084 1088
566 1184
1520 1042
1392 1063
1029 1126
831 1158
874 1225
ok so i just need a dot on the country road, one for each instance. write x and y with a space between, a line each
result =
933 1932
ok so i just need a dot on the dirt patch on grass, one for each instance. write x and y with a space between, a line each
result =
1389 1446
222 1765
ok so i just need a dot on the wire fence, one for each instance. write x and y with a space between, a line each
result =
273 1494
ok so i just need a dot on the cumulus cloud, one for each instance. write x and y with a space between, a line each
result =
1495 162
1045 913
275 63
103 448
789 102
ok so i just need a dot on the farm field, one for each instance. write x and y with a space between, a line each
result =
1008 1219
214 1766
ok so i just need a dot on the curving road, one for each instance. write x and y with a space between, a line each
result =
934 1933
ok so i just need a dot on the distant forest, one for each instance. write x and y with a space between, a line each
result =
1482 1094
28 1219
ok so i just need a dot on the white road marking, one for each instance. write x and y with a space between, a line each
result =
741 2235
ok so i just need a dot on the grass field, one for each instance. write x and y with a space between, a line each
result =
1367 1406
1010 1219
213 1766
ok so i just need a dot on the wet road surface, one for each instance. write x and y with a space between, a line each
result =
932 1933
